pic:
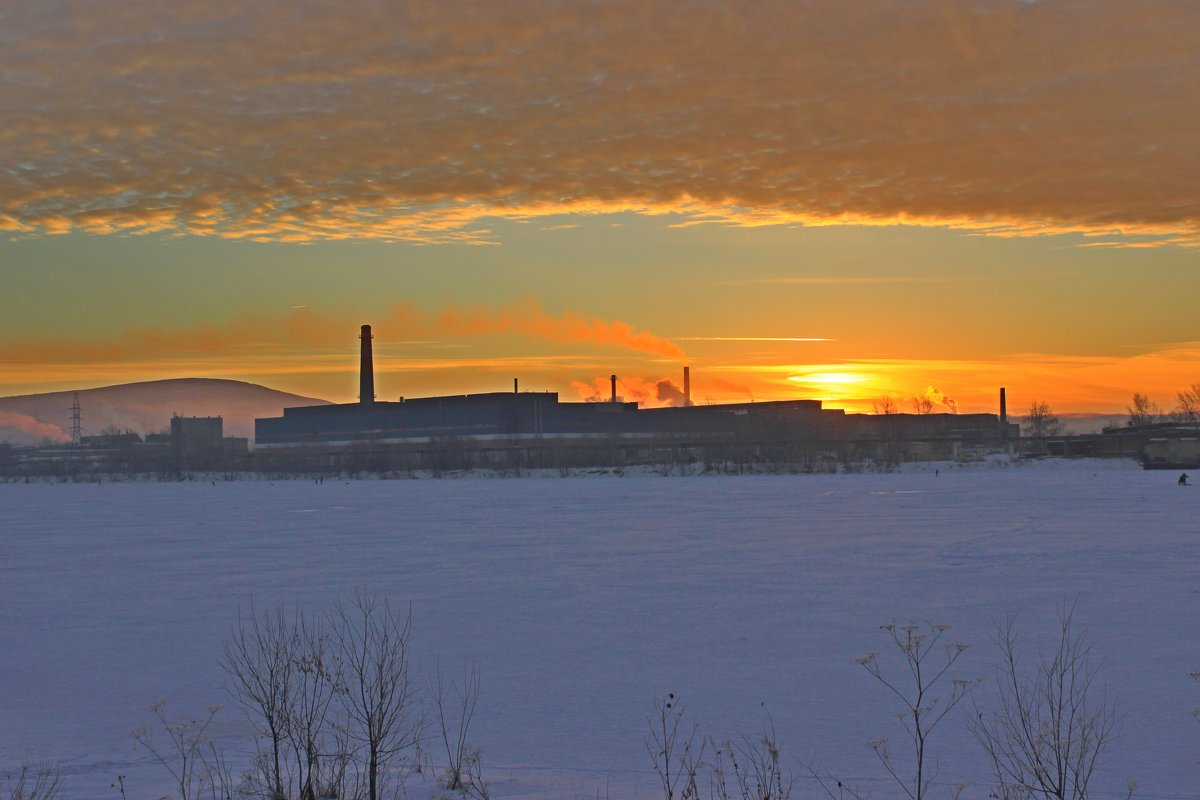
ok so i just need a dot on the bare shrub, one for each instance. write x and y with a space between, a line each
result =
1052 721
188 754
41 782
332 699
751 768
677 754
924 698
464 761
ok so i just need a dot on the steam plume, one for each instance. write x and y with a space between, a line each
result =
669 393
304 328
530 319
32 426
653 392
937 396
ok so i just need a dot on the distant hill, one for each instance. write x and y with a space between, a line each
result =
144 407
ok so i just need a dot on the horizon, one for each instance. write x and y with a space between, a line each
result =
798 202
1118 414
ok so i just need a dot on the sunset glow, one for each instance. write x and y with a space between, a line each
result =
832 201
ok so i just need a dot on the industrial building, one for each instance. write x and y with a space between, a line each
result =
194 444
515 429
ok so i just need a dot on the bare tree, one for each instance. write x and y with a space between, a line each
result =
382 714
1188 408
1040 421
885 404
1142 411
463 761
259 660
1052 722
677 754
922 405
925 703
315 683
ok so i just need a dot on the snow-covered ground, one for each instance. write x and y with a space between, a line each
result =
584 598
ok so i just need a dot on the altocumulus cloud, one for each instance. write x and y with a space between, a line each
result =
299 120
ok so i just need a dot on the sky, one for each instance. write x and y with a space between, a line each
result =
825 200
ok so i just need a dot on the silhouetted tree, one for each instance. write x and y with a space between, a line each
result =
1188 408
885 405
1040 420
922 405
1142 411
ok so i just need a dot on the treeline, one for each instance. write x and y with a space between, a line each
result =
1144 411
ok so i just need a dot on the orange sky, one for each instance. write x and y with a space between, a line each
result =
828 200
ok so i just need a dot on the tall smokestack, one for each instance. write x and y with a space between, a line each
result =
687 386
613 378
515 386
1003 408
366 368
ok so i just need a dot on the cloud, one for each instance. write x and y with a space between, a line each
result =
530 319
314 332
834 280
753 339
299 120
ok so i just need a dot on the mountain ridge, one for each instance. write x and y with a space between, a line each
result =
143 407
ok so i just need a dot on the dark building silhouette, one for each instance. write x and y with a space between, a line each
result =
517 425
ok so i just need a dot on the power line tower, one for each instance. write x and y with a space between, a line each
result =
76 426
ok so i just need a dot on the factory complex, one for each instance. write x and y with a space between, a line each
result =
516 430
536 429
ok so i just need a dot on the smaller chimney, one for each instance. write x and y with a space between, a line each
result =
613 378
687 386
514 386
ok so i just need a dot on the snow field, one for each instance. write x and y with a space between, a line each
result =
583 599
